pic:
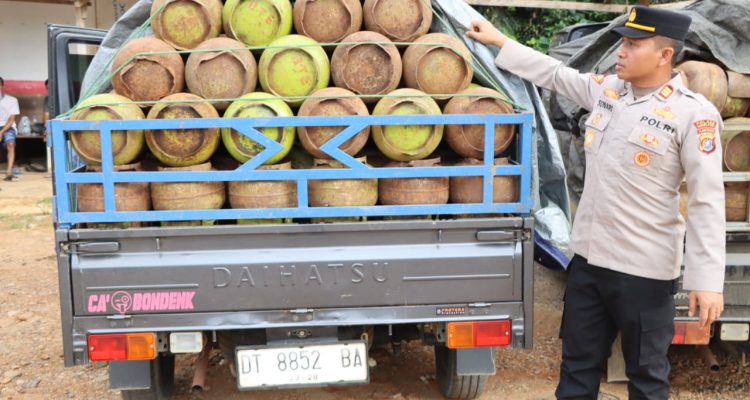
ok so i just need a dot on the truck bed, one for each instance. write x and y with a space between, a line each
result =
436 263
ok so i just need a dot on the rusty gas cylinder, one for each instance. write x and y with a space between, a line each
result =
468 140
399 20
223 73
126 145
264 194
257 22
407 142
331 102
736 146
438 64
739 85
412 191
129 196
144 77
258 105
183 147
368 64
469 189
188 195
185 24
736 201
708 79
293 67
327 21
341 192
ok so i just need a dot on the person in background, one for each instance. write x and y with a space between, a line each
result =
46 132
46 108
8 112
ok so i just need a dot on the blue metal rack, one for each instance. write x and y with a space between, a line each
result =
66 176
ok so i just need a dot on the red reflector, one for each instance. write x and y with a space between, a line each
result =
679 333
492 333
108 347
690 332
694 334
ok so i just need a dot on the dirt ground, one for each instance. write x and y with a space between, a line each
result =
31 364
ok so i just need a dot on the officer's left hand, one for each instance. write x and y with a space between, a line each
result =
710 304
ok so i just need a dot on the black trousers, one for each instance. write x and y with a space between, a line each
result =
599 303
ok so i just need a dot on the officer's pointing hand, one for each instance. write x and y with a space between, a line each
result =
486 33
710 305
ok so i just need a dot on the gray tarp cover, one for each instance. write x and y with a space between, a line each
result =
720 32
720 29
549 187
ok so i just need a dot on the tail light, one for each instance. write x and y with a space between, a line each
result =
122 347
690 332
466 335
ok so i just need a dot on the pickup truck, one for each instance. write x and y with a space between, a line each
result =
294 304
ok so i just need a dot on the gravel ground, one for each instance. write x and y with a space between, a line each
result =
31 365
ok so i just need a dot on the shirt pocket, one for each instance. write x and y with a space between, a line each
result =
596 124
645 150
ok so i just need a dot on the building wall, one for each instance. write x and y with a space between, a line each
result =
23 33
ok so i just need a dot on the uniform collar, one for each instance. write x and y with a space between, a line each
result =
664 92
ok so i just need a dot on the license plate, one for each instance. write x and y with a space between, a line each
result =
331 364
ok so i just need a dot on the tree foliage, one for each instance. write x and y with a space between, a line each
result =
535 27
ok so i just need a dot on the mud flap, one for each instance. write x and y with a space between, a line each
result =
129 375
479 361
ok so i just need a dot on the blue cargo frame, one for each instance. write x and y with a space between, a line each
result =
66 176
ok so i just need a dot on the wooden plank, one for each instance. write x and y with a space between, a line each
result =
553 4
569 5
675 5
81 15
61 2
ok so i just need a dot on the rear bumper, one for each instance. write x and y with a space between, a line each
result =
333 317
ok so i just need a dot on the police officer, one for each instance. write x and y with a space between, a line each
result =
646 132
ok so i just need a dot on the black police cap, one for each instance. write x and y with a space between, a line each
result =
645 22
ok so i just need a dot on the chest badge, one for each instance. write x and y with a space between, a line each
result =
612 94
665 113
649 139
642 159
589 140
596 118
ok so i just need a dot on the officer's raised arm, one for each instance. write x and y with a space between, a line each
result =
538 68
705 254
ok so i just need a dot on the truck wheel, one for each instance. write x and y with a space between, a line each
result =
452 386
162 381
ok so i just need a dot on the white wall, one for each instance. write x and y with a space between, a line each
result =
23 37
23 33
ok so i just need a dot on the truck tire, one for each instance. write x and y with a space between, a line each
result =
162 381
451 385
